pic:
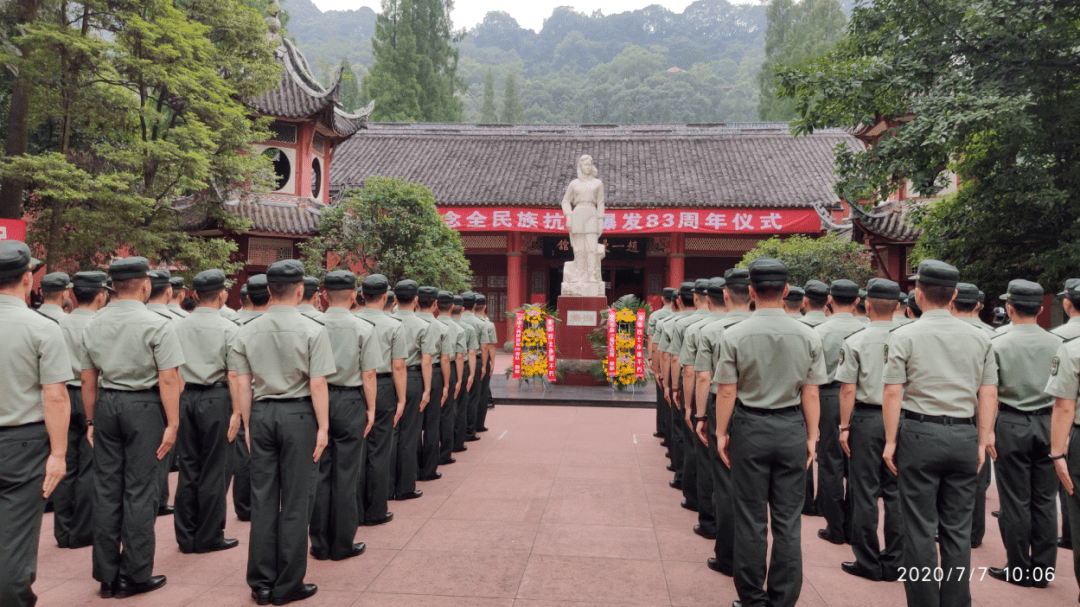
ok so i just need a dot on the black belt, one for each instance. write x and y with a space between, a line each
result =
866 407
283 401
1042 411
334 388
384 376
154 390
944 420
416 368
30 425
217 384
831 385
760 411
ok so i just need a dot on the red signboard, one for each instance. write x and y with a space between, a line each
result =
549 326
519 328
612 335
639 344
12 229
638 221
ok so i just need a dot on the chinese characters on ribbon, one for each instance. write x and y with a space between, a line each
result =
549 326
640 221
519 328
612 335
639 345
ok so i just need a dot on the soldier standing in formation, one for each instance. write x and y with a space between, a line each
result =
472 355
816 298
431 419
448 414
179 292
307 306
677 425
421 345
1070 302
55 289
662 413
793 302
488 341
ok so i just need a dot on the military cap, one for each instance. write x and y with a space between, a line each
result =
258 285
208 280
938 273
982 297
95 279
459 300
716 286
15 259
376 284
445 297
701 286
469 298
311 285
766 270
966 293
737 277
902 298
427 292
862 294
406 289
481 300
880 288
285 272
390 297
243 290
338 280
56 281
795 294
911 303
177 282
844 288
1072 288
686 289
128 268
816 290
1024 292
669 292
159 278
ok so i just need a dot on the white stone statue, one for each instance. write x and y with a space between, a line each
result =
583 206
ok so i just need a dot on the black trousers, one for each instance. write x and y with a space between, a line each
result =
1072 502
23 451
403 459
240 472
662 413
1028 486
336 513
830 463
473 411
768 473
282 493
447 417
203 450
73 499
128 427
461 420
722 495
485 398
871 479
938 470
374 484
978 516
690 453
430 422
677 438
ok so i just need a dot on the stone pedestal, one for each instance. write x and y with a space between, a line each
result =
578 316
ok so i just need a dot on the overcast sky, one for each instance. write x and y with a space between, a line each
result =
531 14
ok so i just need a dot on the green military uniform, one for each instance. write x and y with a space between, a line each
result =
73 500
830 457
816 291
311 287
54 283
419 341
1065 383
281 351
431 417
336 514
128 344
1026 479
177 283
769 358
488 336
1069 330
862 361
202 444
448 414
34 355
795 296
677 443
662 414
376 476
472 344
673 340
240 464
941 362
159 279
475 394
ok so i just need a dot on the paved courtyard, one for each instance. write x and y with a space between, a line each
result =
555 506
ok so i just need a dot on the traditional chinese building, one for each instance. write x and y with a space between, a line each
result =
682 202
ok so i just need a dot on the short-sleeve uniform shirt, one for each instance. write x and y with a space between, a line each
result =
1065 374
941 361
678 332
177 310
310 311
814 318
34 355
206 339
444 343
282 350
665 327
53 311
419 340
833 332
72 326
164 311
1068 330
661 314
455 333
389 340
129 344
862 361
709 343
1024 357
692 338
353 343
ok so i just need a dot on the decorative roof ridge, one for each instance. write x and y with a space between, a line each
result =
297 69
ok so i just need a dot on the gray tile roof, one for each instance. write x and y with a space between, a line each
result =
757 165
273 214
889 221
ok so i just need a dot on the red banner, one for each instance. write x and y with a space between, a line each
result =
639 344
519 328
612 334
549 326
638 221
12 229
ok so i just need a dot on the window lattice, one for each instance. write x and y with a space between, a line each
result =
319 143
484 242
725 245
285 133
265 251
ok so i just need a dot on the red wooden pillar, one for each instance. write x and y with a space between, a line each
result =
676 261
515 277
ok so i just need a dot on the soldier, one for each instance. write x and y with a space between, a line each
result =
73 521
914 312
421 346
255 296
390 384
209 420
684 394
472 354
55 291
160 295
1064 386
34 416
389 307
431 418
179 291
353 393
817 296
282 361
860 308
662 413
448 414
900 318
133 421
830 489
488 341
1070 302
308 306
1027 482
862 436
774 431
793 302
468 316
941 372
677 443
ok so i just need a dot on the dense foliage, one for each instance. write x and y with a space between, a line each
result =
828 258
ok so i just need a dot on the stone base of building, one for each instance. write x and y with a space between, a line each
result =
578 317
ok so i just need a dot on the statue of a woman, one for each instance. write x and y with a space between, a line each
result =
583 206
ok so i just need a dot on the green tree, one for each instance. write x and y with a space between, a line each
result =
350 88
986 89
512 112
797 31
392 227
828 258
488 113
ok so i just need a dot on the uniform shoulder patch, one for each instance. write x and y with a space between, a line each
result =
43 315
1054 366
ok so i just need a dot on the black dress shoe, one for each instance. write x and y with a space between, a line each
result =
890 575
83 545
975 544
1064 543
675 485
218 547
389 517
705 534
670 468
434 477
261 596
244 519
854 568
685 504
401 497
715 566
165 510
824 534
319 556
1007 576
996 514
658 434
663 443
736 604
448 461
305 591
125 588
108 590
481 429
357 549
459 449
472 439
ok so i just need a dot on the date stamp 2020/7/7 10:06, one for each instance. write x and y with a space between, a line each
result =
957 574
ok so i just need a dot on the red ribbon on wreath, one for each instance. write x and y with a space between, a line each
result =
549 326
639 345
519 330
612 351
